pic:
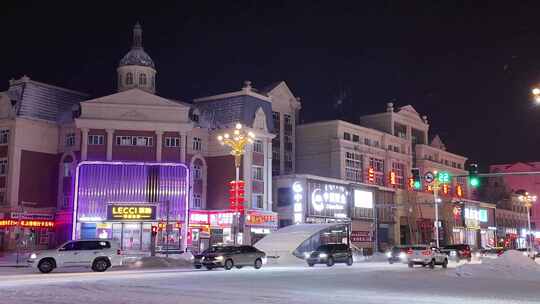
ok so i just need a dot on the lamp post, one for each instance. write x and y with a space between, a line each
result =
528 200
237 141
536 95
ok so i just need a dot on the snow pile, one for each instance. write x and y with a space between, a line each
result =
511 265
159 262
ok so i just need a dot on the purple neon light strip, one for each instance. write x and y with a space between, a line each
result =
126 181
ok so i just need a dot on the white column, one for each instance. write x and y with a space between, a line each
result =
281 143
159 144
265 171
110 138
84 143
183 146
268 168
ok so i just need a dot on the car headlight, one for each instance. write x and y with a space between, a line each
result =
219 258
402 255
389 254
307 254
525 253
33 256
323 255
453 253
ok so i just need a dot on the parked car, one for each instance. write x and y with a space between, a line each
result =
458 252
229 257
426 256
330 254
100 255
397 254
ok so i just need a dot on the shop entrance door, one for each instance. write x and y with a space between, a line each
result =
131 236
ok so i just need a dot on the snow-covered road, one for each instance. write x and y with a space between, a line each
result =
362 283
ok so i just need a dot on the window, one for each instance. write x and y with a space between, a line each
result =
288 143
129 78
258 146
70 139
142 79
376 143
367 142
390 148
275 118
257 173
355 138
399 170
275 155
3 166
257 201
197 172
454 164
134 141
4 136
396 149
195 117
459 166
197 144
285 197
96 139
67 169
288 124
172 142
197 200
346 136
353 166
378 167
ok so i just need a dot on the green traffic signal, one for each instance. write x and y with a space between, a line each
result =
474 182
417 185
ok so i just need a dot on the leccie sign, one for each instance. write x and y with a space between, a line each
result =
131 212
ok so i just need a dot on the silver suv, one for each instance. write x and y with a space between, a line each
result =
97 254
426 256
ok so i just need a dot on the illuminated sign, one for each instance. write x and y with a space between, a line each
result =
371 175
459 191
298 190
261 219
471 217
131 212
27 223
328 200
363 199
221 219
483 215
392 178
198 218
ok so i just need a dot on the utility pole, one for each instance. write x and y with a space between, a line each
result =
436 202
167 228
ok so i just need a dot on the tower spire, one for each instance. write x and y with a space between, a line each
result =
137 36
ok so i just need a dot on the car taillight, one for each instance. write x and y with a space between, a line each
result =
426 252
409 251
119 252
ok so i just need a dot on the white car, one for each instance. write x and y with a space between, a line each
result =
97 254
426 256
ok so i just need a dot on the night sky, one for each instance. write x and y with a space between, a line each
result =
468 66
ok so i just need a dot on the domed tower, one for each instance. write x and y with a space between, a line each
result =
136 69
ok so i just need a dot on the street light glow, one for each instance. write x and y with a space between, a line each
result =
536 91
537 99
238 126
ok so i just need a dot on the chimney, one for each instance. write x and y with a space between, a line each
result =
247 85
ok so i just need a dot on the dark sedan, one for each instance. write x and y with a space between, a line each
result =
330 254
230 256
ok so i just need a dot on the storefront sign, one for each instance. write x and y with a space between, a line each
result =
471 217
298 192
360 236
131 212
27 223
198 218
221 219
328 200
31 216
363 199
483 215
261 219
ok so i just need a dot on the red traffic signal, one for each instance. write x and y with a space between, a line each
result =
154 230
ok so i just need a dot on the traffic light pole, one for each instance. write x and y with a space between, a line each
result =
236 219
436 202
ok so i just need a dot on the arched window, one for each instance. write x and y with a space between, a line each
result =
129 78
142 79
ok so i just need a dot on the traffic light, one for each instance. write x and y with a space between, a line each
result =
474 180
392 178
417 183
154 230
443 177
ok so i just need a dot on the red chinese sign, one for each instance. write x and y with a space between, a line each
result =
236 196
27 223
360 236
261 219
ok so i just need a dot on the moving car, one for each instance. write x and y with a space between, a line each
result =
426 256
229 257
397 254
458 252
100 255
330 254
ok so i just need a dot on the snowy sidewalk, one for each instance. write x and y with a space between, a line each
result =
10 260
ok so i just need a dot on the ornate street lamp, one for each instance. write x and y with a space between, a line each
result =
237 141
528 200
